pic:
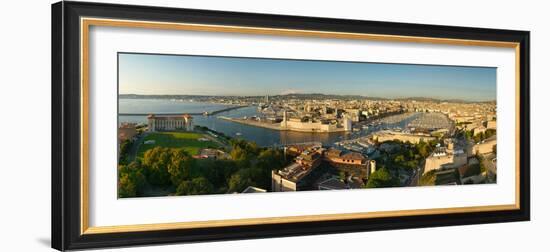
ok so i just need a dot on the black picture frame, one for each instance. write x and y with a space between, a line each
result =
66 114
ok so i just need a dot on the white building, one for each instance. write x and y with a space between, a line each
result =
167 123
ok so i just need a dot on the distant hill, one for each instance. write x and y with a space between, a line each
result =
315 96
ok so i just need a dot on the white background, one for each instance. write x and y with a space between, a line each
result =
106 210
25 124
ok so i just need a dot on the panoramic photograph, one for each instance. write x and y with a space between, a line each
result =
200 125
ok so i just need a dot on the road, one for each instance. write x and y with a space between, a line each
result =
132 153
415 178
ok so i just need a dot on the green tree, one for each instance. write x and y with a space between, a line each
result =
468 134
196 186
271 159
126 187
399 158
382 178
479 137
423 149
240 180
124 150
244 150
428 178
218 172
410 164
180 166
131 181
239 154
342 175
473 170
268 160
156 161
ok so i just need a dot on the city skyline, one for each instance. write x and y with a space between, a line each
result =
156 74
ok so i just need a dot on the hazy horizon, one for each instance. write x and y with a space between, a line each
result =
394 98
155 74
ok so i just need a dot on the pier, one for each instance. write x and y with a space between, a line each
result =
273 126
207 113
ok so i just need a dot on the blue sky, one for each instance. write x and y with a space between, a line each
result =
200 75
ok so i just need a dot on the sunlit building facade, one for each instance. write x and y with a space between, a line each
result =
168 123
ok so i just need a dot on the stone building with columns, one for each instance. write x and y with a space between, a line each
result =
168 123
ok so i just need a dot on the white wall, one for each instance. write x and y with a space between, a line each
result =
25 148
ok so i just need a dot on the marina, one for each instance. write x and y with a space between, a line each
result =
230 120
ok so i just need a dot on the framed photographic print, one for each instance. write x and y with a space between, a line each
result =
180 125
